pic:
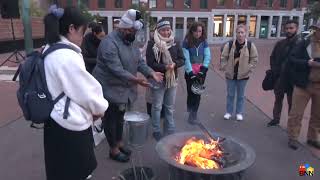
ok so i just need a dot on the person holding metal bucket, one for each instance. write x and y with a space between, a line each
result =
118 62
164 55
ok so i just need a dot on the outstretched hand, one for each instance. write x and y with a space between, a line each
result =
157 76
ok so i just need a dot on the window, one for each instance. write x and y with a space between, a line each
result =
270 3
218 26
253 3
84 3
283 3
296 3
238 3
252 26
187 4
118 3
152 4
135 2
169 3
69 2
179 28
101 3
203 4
230 26
220 2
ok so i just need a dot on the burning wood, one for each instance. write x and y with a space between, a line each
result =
197 153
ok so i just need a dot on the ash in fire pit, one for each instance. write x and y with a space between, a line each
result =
228 159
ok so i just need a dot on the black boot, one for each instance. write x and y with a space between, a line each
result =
273 123
192 119
314 144
293 144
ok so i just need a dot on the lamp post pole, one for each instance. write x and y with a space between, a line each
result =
28 43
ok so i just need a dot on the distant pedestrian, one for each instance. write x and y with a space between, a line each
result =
238 61
90 46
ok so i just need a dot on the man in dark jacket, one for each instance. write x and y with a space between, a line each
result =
305 59
118 62
281 70
90 46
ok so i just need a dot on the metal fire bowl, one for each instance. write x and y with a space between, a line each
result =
241 156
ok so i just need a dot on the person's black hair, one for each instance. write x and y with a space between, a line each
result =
92 24
96 29
292 22
54 26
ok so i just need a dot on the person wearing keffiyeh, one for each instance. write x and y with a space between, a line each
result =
166 56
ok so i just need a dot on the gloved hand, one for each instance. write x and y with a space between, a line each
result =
192 76
203 72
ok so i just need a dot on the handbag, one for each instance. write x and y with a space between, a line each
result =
268 81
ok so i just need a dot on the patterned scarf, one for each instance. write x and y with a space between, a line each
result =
161 49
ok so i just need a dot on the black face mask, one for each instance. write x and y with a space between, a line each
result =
129 37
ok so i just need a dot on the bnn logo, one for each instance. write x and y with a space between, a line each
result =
306 170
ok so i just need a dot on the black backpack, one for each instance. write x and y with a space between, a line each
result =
33 95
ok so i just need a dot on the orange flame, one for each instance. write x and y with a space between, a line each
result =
197 153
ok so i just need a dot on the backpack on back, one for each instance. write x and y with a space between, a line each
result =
33 95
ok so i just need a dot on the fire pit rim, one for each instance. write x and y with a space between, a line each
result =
241 166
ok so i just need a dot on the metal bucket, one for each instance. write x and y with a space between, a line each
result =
137 125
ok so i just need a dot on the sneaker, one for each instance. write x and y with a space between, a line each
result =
157 136
227 116
89 177
239 117
314 144
293 144
273 123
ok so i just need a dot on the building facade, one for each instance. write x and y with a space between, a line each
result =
264 18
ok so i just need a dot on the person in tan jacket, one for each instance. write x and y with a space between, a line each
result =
238 63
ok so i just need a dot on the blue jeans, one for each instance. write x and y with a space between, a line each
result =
165 98
235 87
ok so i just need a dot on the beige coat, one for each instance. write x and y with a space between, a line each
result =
246 63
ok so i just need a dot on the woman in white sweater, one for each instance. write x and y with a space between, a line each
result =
68 142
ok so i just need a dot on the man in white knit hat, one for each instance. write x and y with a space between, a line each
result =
118 62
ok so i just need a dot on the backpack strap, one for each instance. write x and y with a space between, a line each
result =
249 47
52 48
66 108
55 47
230 45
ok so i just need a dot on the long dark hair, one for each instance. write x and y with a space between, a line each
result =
54 26
189 37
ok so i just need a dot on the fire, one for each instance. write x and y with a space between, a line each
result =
197 153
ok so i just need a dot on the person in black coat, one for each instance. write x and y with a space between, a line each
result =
90 46
281 70
164 55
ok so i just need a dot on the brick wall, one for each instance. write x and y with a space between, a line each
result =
6 31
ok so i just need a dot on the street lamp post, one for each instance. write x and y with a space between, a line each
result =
143 6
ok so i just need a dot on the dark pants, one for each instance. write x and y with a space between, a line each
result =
113 124
279 93
193 100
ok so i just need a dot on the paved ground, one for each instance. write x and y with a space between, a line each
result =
21 151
